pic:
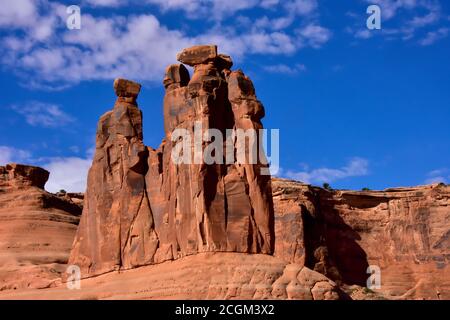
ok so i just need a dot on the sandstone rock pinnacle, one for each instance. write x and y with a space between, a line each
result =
142 208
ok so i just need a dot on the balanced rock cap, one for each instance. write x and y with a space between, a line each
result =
126 88
197 55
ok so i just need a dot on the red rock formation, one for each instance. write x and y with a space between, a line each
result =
116 228
141 207
36 229
404 231
17 176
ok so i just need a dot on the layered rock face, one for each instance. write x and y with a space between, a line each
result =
36 229
404 231
15 177
142 207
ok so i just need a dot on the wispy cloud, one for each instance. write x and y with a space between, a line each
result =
314 35
302 7
104 3
285 69
139 46
363 34
42 114
416 20
215 9
355 167
438 176
10 154
390 8
433 36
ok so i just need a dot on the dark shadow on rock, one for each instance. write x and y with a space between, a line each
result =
331 244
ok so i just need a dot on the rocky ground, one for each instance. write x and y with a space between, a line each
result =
201 276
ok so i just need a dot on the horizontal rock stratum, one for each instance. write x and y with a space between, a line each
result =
403 231
36 229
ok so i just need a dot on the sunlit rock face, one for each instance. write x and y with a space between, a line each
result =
405 232
36 229
143 208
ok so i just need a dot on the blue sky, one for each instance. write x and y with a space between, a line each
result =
355 107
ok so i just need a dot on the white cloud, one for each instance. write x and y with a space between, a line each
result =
355 168
269 3
302 7
437 179
139 48
16 13
69 174
437 176
37 17
215 9
363 34
10 155
43 114
422 21
390 8
411 18
104 3
283 68
273 24
433 36
314 35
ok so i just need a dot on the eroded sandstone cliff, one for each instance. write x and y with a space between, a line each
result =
36 229
403 231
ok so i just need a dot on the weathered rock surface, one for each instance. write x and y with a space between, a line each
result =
198 55
36 229
16 176
404 231
201 276
142 208
116 228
